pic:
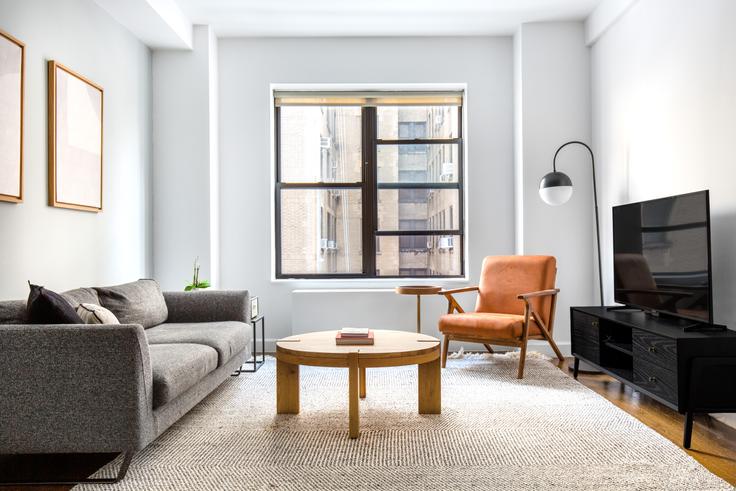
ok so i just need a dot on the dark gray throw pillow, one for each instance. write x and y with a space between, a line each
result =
140 302
48 307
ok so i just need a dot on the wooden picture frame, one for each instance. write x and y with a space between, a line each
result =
75 119
12 84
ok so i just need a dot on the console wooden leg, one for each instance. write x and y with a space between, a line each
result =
430 387
353 394
362 382
576 367
287 388
688 430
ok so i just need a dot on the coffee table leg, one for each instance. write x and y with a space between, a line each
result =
353 394
287 388
419 314
430 388
362 382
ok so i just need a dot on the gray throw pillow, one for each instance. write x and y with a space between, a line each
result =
140 302
81 295
95 314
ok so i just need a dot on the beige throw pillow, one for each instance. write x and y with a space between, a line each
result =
95 314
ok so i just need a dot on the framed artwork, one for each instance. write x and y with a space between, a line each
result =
255 308
12 68
75 140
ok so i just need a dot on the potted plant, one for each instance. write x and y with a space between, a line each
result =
196 283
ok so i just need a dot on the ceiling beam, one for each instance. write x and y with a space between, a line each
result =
160 24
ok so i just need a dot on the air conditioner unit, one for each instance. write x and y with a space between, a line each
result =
323 243
447 242
448 170
332 245
325 142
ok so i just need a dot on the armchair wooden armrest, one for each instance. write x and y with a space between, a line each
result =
452 304
541 293
458 290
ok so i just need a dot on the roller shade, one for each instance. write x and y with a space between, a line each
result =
373 98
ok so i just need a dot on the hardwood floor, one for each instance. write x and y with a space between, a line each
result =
713 444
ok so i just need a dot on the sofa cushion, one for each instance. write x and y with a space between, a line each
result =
140 302
81 295
13 312
178 367
227 338
48 307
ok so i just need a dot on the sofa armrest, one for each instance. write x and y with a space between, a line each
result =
74 388
208 306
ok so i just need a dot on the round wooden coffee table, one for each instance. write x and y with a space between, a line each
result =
391 349
418 290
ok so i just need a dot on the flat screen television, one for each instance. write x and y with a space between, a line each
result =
661 256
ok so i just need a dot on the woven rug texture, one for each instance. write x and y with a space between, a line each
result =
546 431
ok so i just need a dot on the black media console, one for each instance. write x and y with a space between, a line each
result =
691 372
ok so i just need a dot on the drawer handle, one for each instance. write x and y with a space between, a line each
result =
652 379
652 349
594 323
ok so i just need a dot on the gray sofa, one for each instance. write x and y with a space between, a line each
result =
84 388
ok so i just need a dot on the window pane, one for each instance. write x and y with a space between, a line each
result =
418 163
321 231
418 209
320 144
410 122
418 255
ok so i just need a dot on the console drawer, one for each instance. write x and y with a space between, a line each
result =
585 336
654 349
656 379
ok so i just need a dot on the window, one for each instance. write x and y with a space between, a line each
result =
368 185
412 130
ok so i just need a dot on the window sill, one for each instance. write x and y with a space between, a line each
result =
372 284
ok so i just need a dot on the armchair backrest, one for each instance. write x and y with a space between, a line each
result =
502 278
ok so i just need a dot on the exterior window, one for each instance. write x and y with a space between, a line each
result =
366 191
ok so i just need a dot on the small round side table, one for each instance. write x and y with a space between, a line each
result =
418 290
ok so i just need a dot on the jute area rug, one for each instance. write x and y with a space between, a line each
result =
495 432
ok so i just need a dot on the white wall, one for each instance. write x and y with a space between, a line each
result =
185 176
664 99
552 92
249 66
61 248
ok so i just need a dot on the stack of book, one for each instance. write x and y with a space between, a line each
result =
354 335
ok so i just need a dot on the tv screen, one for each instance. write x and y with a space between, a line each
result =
661 256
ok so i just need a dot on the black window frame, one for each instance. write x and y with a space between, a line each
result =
369 187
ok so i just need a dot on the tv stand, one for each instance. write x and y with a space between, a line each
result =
688 371
623 307
703 327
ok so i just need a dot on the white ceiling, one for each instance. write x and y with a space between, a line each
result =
378 17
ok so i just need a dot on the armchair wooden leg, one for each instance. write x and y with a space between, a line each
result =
445 347
557 350
488 347
551 341
522 359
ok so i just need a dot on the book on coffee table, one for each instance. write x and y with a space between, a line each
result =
358 332
353 339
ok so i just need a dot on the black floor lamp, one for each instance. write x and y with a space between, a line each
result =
555 189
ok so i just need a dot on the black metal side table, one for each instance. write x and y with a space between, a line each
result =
256 363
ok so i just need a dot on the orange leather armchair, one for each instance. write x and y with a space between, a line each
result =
516 303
